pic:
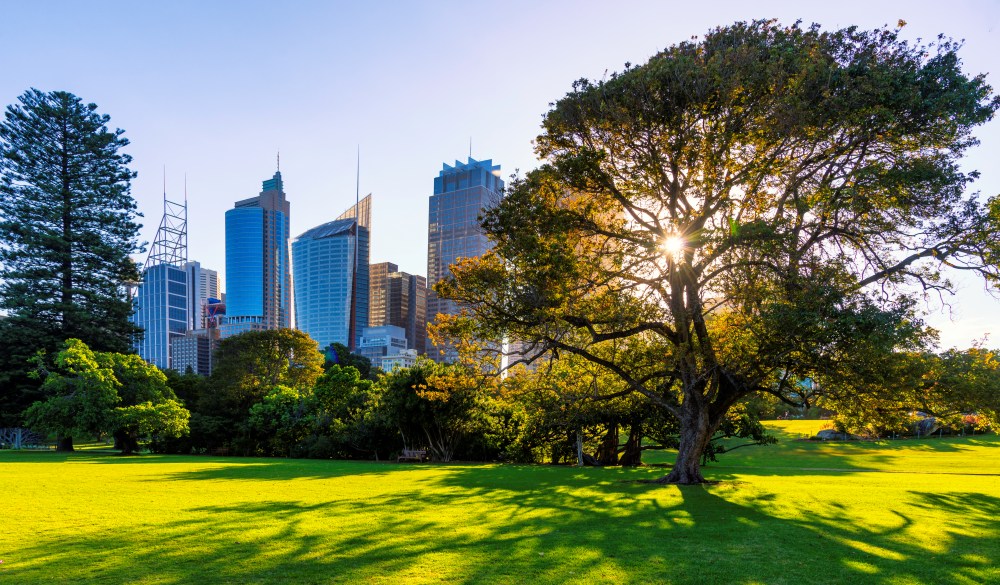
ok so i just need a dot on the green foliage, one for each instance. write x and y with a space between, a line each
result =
146 419
149 408
958 388
67 230
249 365
335 418
82 394
92 393
811 181
339 354
281 418
443 407
188 387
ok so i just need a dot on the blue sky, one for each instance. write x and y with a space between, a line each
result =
214 89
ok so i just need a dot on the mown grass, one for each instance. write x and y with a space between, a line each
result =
798 512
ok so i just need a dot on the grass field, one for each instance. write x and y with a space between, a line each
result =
799 512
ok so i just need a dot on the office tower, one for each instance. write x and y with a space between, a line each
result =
399 299
461 193
203 284
362 211
161 298
380 342
258 271
331 282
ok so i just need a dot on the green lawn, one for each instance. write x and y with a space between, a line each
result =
799 512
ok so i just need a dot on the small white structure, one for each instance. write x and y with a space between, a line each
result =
405 359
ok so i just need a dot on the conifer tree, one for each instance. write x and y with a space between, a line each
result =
67 229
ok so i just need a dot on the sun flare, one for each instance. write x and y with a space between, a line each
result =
672 245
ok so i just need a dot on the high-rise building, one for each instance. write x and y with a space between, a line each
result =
258 271
161 311
203 284
399 299
461 193
332 282
161 298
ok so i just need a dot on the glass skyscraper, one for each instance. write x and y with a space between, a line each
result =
331 282
161 300
161 311
258 271
461 193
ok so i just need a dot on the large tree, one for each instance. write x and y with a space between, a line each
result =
93 393
81 391
248 367
67 229
739 214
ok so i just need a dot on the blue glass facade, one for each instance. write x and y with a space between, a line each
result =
258 267
245 261
324 259
161 311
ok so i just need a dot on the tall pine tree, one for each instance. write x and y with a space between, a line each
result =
67 229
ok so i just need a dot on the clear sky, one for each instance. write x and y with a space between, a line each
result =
215 89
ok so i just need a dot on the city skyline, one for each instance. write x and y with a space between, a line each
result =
218 106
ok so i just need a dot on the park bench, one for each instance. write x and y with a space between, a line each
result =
220 451
412 455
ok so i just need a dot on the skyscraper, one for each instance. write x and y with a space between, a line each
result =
258 271
399 299
332 282
203 284
461 193
161 297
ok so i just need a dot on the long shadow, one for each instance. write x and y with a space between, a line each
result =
507 524
898 456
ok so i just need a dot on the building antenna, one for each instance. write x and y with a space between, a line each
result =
352 330
279 160
470 147
185 189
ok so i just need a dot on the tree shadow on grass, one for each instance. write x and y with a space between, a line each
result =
949 455
506 524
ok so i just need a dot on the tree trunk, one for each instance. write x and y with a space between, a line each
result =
633 446
128 444
579 448
607 454
696 432
64 444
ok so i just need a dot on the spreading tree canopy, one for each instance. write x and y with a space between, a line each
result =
67 229
739 214
92 393
251 364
